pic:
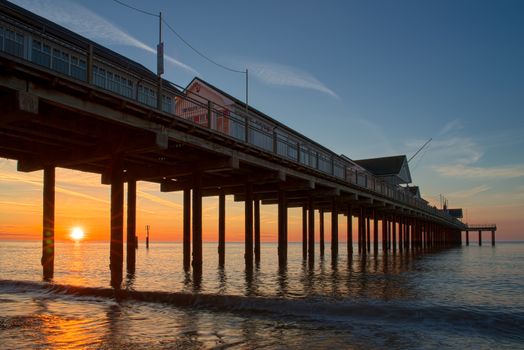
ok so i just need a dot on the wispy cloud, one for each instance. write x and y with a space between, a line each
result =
471 172
468 192
85 22
158 200
278 74
450 126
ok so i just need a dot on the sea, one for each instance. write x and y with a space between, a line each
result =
468 297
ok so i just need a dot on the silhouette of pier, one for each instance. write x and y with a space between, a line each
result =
480 228
68 102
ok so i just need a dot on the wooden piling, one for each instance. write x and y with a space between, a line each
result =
349 230
221 229
282 228
131 226
368 232
187 228
197 222
394 237
311 229
48 234
248 237
116 258
384 234
321 228
257 230
480 237
334 228
375 232
493 238
304 231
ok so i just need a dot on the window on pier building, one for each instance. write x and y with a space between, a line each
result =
78 68
99 76
13 43
146 95
41 53
167 104
60 61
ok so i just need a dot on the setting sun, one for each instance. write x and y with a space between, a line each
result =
77 233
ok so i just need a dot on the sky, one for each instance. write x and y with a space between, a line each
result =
364 78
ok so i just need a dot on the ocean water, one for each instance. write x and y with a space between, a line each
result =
460 298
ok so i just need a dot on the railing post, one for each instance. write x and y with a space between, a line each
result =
90 64
298 152
209 113
275 142
246 124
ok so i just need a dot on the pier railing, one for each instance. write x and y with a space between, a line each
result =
75 59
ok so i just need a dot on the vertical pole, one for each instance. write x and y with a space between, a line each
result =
480 237
375 232
349 231
187 228
493 238
334 228
467 237
311 229
131 226
363 230
321 227
116 257
257 230
394 238
248 240
384 233
221 229
48 234
304 231
282 228
368 232
360 231
197 222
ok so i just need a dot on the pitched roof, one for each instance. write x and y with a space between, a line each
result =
384 165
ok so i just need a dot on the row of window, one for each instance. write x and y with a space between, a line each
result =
66 63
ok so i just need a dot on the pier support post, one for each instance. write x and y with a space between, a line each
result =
187 229
321 228
257 230
384 234
116 257
394 238
480 237
248 238
493 238
304 231
221 229
48 234
197 223
349 230
368 232
334 228
131 226
282 228
375 232
311 229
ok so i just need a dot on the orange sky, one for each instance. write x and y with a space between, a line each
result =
82 201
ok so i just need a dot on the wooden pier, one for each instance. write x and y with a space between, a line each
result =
75 114
480 228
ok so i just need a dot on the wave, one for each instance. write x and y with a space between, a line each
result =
483 320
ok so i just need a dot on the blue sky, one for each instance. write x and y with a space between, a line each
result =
365 78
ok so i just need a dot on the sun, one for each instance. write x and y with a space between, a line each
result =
77 234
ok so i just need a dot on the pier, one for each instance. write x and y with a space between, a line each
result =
68 102
480 228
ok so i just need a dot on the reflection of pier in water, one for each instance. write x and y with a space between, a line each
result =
86 108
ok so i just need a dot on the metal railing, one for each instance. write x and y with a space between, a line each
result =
233 121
